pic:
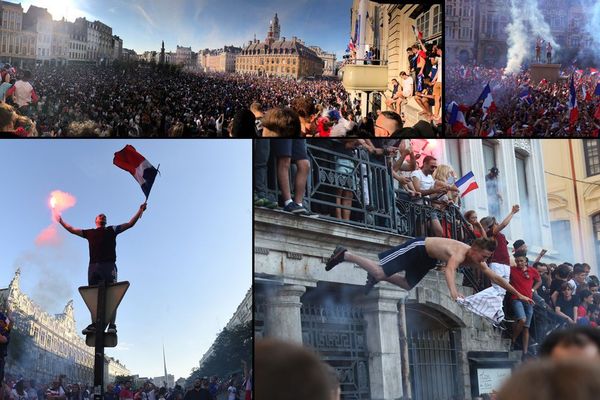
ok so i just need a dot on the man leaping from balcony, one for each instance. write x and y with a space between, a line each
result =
419 255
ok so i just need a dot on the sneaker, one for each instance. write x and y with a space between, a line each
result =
299 210
336 258
91 328
371 282
264 202
294 208
500 325
112 328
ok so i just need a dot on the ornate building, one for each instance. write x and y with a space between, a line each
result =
329 68
241 315
476 30
278 57
17 46
183 55
220 60
44 346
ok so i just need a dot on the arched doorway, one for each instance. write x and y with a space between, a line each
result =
432 339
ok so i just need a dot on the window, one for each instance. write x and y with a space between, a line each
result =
596 225
592 156
454 158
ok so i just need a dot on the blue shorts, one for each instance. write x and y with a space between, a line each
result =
289 148
523 311
411 257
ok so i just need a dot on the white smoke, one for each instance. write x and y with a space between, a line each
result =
526 26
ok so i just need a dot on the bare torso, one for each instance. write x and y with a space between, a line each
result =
442 249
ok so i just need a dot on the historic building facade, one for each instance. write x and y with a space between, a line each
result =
48 345
33 36
242 315
476 30
392 343
277 56
219 60
573 179
329 68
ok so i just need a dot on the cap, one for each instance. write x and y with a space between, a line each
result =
494 170
518 244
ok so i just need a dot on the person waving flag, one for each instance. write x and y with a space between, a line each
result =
134 163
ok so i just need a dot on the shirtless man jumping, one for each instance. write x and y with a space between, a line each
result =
419 255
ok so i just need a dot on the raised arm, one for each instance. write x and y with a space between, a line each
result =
133 220
504 224
497 279
74 231
539 257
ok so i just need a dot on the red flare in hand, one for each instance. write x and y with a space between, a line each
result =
58 202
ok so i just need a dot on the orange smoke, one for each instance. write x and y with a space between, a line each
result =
58 202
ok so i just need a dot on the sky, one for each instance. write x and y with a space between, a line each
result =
143 24
188 259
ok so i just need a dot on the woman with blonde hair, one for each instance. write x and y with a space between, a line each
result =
444 177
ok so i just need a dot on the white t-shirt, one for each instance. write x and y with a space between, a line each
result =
440 70
427 182
407 86
22 94
232 391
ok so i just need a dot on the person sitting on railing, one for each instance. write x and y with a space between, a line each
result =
566 306
401 170
561 275
425 184
444 177
474 224
391 102
425 98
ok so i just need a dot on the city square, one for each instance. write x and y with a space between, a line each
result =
195 69
522 68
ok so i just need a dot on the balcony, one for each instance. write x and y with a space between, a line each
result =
367 78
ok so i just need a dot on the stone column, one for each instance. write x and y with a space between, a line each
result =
383 342
282 313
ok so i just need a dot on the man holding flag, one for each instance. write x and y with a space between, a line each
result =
102 239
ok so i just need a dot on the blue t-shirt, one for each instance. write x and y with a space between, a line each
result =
3 89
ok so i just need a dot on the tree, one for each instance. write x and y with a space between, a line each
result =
230 347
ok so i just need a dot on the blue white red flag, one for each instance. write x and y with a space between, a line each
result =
417 33
134 163
457 118
574 112
467 184
526 96
488 101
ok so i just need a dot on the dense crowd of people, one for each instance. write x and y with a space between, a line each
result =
213 388
139 99
523 107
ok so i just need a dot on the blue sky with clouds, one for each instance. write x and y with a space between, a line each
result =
211 24
189 258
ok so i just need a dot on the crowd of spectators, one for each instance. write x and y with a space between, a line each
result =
234 387
523 107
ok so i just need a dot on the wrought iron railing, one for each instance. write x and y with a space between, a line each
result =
335 172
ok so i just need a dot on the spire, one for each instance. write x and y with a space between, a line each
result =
165 365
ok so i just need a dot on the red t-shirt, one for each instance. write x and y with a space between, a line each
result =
501 256
521 282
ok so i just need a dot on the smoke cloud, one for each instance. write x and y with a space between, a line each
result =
527 25
58 202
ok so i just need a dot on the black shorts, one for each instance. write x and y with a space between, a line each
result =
106 271
411 257
292 148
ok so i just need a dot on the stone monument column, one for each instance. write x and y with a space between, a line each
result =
282 313
380 310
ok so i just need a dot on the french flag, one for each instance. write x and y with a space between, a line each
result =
526 96
574 113
417 33
466 184
488 100
593 71
134 163
457 118
489 133
587 95
511 130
